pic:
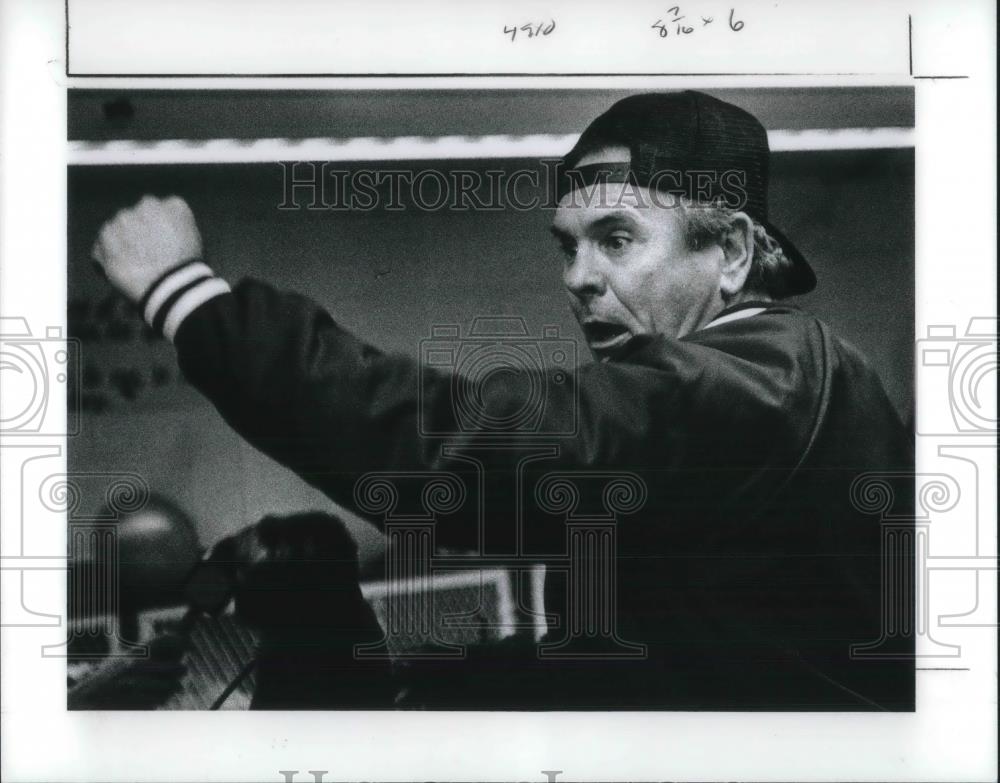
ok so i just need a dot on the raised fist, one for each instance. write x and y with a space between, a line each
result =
140 243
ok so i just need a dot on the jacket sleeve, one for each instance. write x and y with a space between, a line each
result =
330 407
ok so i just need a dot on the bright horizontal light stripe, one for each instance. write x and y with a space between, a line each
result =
87 153
840 139
363 148
472 578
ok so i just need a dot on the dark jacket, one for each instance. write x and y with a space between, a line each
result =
747 573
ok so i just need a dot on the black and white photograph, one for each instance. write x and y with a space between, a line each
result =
497 429
481 397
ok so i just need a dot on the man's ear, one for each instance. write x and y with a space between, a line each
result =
737 255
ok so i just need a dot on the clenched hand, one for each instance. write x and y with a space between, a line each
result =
140 243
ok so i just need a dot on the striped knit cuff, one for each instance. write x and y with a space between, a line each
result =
177 293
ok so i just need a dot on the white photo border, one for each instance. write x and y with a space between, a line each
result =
951 736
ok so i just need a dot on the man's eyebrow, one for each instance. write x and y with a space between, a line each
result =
562 236
618 217
614 218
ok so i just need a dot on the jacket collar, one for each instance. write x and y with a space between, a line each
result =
736 312
732 313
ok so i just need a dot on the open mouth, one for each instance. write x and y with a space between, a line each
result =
605 338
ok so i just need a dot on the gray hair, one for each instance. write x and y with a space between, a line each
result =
711 224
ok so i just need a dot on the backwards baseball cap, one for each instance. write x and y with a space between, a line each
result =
687 143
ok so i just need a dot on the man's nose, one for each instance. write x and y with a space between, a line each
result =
583 276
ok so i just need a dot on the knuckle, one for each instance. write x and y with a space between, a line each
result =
179 205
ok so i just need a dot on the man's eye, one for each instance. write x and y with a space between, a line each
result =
568 251
617 243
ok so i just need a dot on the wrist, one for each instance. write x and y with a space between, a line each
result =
177 293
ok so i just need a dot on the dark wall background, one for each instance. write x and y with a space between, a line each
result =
391 276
